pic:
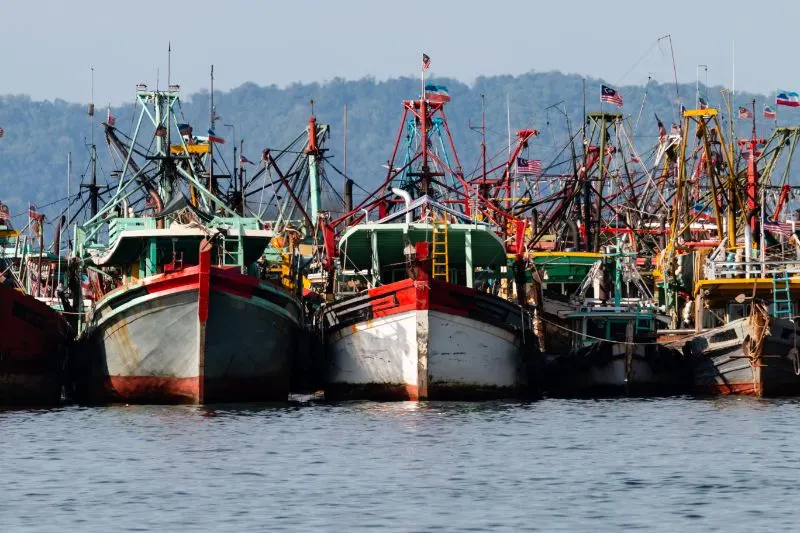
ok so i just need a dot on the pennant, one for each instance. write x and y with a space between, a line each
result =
243 160
213 138
426 62
787 98
437 93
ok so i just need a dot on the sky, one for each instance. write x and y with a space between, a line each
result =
50 46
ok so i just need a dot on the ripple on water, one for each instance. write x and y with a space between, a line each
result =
676 464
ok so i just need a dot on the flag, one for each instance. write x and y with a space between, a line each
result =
769 112
745 113
185 129
111 120
787 98
702 103
212 138
437 93
610 96
161 131
243 160
782 228
426 62
529 166
36 220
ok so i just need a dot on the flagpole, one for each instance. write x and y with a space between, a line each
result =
508 123
422 94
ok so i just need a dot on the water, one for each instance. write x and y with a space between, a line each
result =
662 465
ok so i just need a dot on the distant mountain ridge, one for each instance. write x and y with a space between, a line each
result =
39 134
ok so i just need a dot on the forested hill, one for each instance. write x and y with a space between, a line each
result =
40 134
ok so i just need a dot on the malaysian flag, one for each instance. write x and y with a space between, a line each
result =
529 166
426 62
782 228
185 129
701 102
610 96
745 113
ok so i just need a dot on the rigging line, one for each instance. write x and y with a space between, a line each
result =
644 168
636 64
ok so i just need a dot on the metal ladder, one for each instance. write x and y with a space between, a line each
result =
781 296
441 266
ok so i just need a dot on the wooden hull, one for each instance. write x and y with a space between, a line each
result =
605 369
33 343
192 337
722 364
425 341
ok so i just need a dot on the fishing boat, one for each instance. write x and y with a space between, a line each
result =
34 338
614 348
180 313
414 313
736 287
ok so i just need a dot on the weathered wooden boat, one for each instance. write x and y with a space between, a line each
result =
189 334
754 349
735 286
421 337
614 348
414 311
180 314
34 338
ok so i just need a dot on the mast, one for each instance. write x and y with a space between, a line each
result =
587 188
312 152
212 124
94 190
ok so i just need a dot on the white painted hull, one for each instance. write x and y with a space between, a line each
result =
424 354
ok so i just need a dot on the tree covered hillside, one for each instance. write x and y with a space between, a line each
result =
40 134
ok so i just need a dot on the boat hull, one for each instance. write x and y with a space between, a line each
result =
416 341
33 346
722 364
192 337
606 369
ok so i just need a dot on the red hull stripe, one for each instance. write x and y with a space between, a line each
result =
154 389
745 389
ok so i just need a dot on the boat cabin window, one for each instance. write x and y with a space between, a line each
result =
737 311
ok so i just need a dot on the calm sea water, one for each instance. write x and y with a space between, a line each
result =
618 465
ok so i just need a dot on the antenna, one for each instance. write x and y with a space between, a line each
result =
668 37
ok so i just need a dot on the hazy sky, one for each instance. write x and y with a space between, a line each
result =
48 46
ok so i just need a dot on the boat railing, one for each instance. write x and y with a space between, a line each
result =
751 269
118 225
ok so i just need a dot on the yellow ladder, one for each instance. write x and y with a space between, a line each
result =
441 267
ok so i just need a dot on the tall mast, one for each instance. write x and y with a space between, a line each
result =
212 124
312 152
93 188
587 188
